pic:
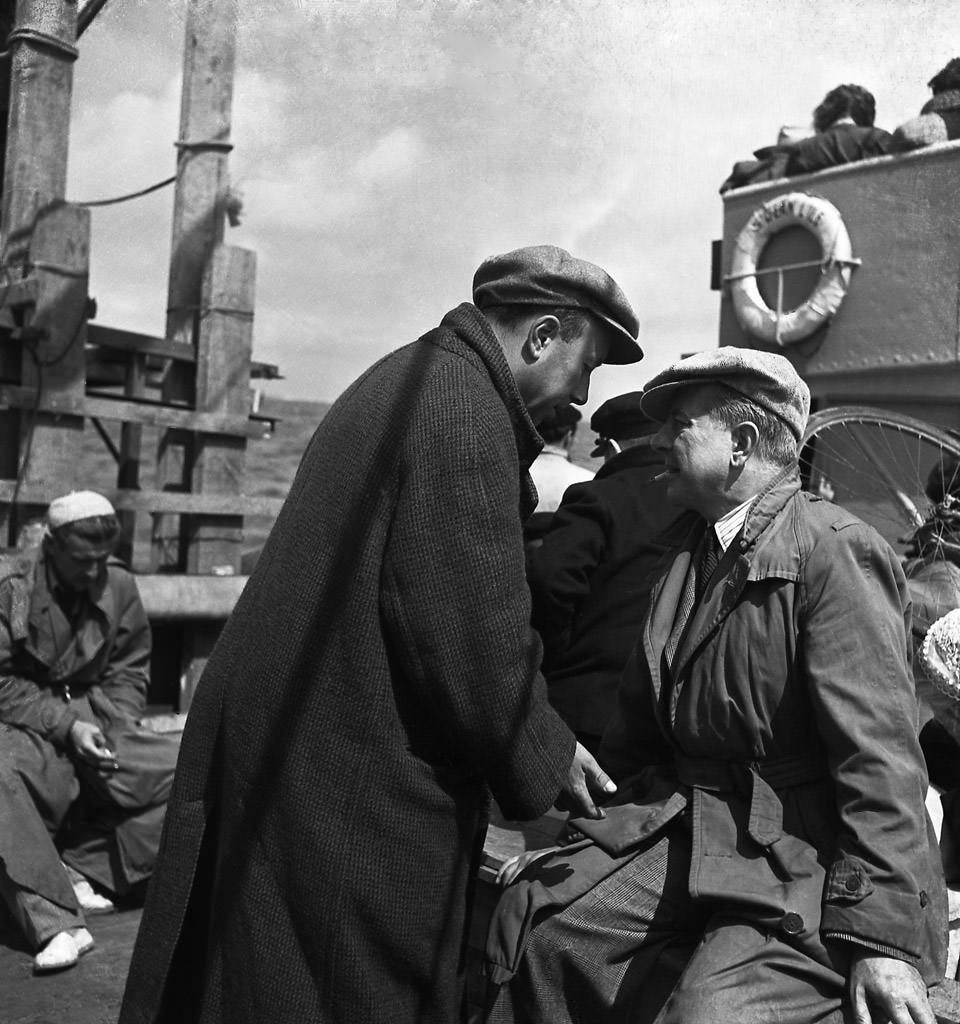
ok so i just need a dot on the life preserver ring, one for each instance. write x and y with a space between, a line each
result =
823 220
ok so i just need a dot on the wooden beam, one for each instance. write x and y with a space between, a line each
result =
173 502
145 412
130 341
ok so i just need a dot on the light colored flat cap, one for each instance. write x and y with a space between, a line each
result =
77 505
764 377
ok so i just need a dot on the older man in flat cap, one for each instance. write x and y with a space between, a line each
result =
79 779
769 856
591 574
377 679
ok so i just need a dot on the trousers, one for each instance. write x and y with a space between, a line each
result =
638 949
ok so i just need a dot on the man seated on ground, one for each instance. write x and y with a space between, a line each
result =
769 855
79 778
939 119
844 132
590 576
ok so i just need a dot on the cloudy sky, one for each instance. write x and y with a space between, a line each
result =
385 147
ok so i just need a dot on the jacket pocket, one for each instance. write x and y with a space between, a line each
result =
847 883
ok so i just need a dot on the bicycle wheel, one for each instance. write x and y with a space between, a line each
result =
877 464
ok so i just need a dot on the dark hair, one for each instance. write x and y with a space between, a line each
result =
777 443
573 319
94 529
948 77
845 101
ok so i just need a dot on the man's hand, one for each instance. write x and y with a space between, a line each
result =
90 744
892 989
584 776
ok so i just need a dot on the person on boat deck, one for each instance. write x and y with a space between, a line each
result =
79 778
939 119
768 855
552 471
590 577
844 132
377 679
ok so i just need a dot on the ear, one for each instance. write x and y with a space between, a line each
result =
744 438
540 334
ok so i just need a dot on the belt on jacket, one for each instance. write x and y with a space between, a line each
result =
761 779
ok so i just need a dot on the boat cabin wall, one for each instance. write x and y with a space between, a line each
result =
894 342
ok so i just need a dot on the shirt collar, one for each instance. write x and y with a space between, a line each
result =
728 526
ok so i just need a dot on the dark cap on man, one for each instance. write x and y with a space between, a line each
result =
545 275
621 419
766 378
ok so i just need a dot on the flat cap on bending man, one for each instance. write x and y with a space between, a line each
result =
769 857
377 676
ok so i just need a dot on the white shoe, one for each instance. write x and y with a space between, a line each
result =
63 950
91 902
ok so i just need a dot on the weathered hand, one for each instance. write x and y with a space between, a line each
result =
91 745
883 988
584 777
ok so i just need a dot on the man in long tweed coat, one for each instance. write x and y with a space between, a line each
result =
377 680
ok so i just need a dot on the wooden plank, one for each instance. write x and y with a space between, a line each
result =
166 502
130 341
150 414
15 294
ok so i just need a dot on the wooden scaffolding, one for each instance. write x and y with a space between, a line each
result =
59 369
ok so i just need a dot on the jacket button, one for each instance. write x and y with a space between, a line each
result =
852 883
792 924
924 899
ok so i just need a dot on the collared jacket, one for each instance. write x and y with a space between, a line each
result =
589 581
377 675
45 659
787 724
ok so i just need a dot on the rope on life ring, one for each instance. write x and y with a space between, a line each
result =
823 220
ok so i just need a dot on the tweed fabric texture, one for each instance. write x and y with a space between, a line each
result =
938 121
764 377
376 676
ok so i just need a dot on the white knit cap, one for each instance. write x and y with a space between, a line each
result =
940 654
75 506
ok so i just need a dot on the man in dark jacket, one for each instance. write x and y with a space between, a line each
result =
79 777
590 576
769 855
377 679
845 132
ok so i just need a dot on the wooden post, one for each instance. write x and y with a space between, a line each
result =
222 386
131 442
48 240
198 225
